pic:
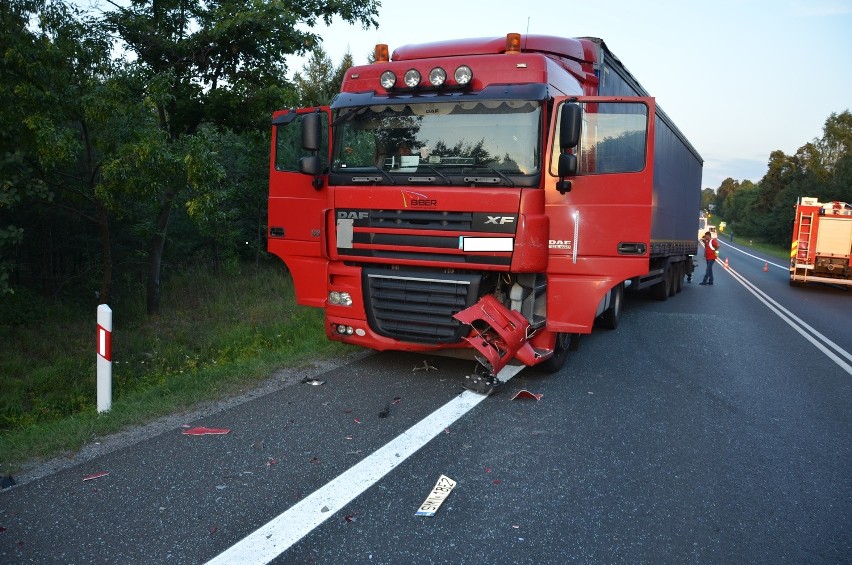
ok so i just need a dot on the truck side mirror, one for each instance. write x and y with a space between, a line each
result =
311 132
567 165
312 165
567 168
569 126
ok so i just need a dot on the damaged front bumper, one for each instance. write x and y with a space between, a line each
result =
501 334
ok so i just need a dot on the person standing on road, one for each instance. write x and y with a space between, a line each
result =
711 251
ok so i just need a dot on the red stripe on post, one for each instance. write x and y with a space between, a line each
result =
104 343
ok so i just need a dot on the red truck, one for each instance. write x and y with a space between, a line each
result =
822 243
492 197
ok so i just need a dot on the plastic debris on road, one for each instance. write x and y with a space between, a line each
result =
202 431
439 494
94 476
524 393
314 382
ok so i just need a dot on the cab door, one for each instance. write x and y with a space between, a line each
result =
600 213
298 203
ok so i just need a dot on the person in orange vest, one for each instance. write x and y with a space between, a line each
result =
711 251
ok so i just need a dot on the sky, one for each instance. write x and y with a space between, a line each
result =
740 78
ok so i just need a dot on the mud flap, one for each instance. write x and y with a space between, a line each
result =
501 334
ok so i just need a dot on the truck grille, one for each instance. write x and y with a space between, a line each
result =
418 307
374 232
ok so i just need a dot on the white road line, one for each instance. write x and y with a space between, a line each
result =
784 267
797 324
276 536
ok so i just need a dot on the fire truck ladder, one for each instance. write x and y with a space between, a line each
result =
801 264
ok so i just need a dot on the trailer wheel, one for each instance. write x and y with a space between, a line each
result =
612 315
672 275
662 289
679 274
560 354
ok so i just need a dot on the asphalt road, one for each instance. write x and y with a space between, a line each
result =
713 427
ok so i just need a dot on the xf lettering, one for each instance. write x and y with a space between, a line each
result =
500 220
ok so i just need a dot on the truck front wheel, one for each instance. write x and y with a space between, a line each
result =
612 315
560 353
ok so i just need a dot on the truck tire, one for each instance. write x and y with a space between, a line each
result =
560 354
612 316
680 272
661 290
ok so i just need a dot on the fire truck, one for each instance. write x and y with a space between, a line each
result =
822 243
487 197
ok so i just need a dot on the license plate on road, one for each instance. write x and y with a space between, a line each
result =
439 494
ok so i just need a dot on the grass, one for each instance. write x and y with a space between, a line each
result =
216 334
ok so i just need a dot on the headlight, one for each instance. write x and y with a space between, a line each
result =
463 75
437 76
412 78
388 79
339 298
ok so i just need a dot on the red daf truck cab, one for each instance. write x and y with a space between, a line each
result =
494 196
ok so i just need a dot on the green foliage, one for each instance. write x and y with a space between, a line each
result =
320 81
124 150
821 168
216 331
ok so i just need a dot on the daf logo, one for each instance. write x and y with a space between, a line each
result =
500 220
342 215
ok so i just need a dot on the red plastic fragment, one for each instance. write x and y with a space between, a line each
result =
524 393
202 431
95 476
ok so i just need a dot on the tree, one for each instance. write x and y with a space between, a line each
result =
319 82
708 197
219 63
56 82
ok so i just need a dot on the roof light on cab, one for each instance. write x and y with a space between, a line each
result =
463 75
388 80
411 78
513 43
437 76
381 53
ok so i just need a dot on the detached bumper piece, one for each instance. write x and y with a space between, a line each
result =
501 335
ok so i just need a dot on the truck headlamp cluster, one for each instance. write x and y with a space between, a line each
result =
437 78
339 298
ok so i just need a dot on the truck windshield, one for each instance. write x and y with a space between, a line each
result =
501 136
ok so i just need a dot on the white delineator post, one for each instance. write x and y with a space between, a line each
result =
104 358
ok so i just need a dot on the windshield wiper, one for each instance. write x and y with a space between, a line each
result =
488 180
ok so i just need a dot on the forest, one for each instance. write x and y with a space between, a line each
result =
764 210
135 140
